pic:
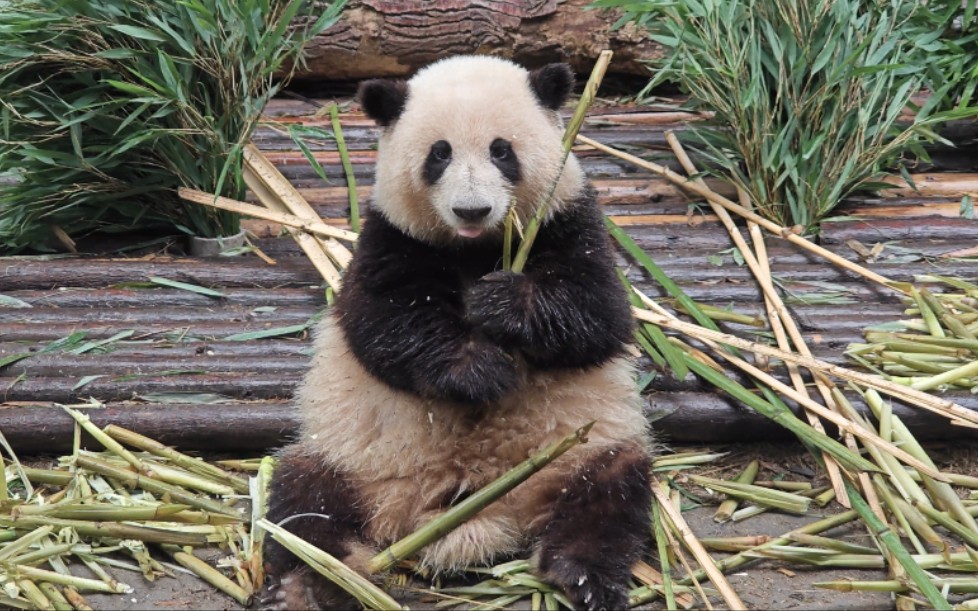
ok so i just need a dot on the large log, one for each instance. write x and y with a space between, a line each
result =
394 38
254 428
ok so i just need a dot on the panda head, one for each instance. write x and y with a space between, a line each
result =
464 140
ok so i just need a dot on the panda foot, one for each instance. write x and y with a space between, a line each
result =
302 589
587 588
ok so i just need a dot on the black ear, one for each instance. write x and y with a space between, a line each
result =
383 99
552 84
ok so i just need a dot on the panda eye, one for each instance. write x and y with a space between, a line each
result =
441 151
500 150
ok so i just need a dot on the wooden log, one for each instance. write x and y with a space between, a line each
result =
252 428
393 38
255 428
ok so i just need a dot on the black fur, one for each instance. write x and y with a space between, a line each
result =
420 318
302 484
504 157
552 84
438 159
599 528
568 309
383 99
402 313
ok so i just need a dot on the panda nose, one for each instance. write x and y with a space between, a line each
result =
472 214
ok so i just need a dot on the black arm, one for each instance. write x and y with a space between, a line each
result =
568 308
402 313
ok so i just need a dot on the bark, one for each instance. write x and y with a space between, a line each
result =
394 38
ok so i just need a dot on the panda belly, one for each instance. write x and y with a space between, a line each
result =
409 458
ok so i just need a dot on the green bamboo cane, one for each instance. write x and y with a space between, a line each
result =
449 520
570 133
351 181
899 553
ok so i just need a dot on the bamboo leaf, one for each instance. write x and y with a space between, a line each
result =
184 286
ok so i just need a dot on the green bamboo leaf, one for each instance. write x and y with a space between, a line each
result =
266 333
92 345
137 32
184 286
7 301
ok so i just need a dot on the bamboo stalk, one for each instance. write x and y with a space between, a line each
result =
282 218
449 520
273 190
110 444
699 552
926 401
899 553
147 534
136 480
351 181
326 565
774 228
779 318
208 574
573 127
81 583
190 463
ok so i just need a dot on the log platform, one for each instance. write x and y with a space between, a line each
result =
179 376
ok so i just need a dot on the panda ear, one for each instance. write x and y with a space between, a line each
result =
552 84
383 99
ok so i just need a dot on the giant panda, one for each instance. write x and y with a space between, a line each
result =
436 372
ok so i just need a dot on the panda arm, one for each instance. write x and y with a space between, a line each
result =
402 316
568 309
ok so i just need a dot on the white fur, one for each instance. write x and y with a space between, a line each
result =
406 454
469 101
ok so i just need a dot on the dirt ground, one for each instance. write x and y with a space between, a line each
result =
764 584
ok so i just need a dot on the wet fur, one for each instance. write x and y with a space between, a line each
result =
436 373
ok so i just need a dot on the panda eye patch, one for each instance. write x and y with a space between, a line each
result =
441 151
504 158
500 150
438 159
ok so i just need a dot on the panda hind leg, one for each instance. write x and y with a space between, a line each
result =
598 528
319 504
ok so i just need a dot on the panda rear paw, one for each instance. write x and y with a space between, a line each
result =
499 304
480 372
587 588
301 589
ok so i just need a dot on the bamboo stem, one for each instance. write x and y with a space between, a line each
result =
778 315
772 227
282 218
351 181
699 552
449 520
573 127
926 401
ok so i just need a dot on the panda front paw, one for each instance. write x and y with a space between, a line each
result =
500 305
480 372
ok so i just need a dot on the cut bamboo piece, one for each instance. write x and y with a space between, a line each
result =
262 169
273 190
